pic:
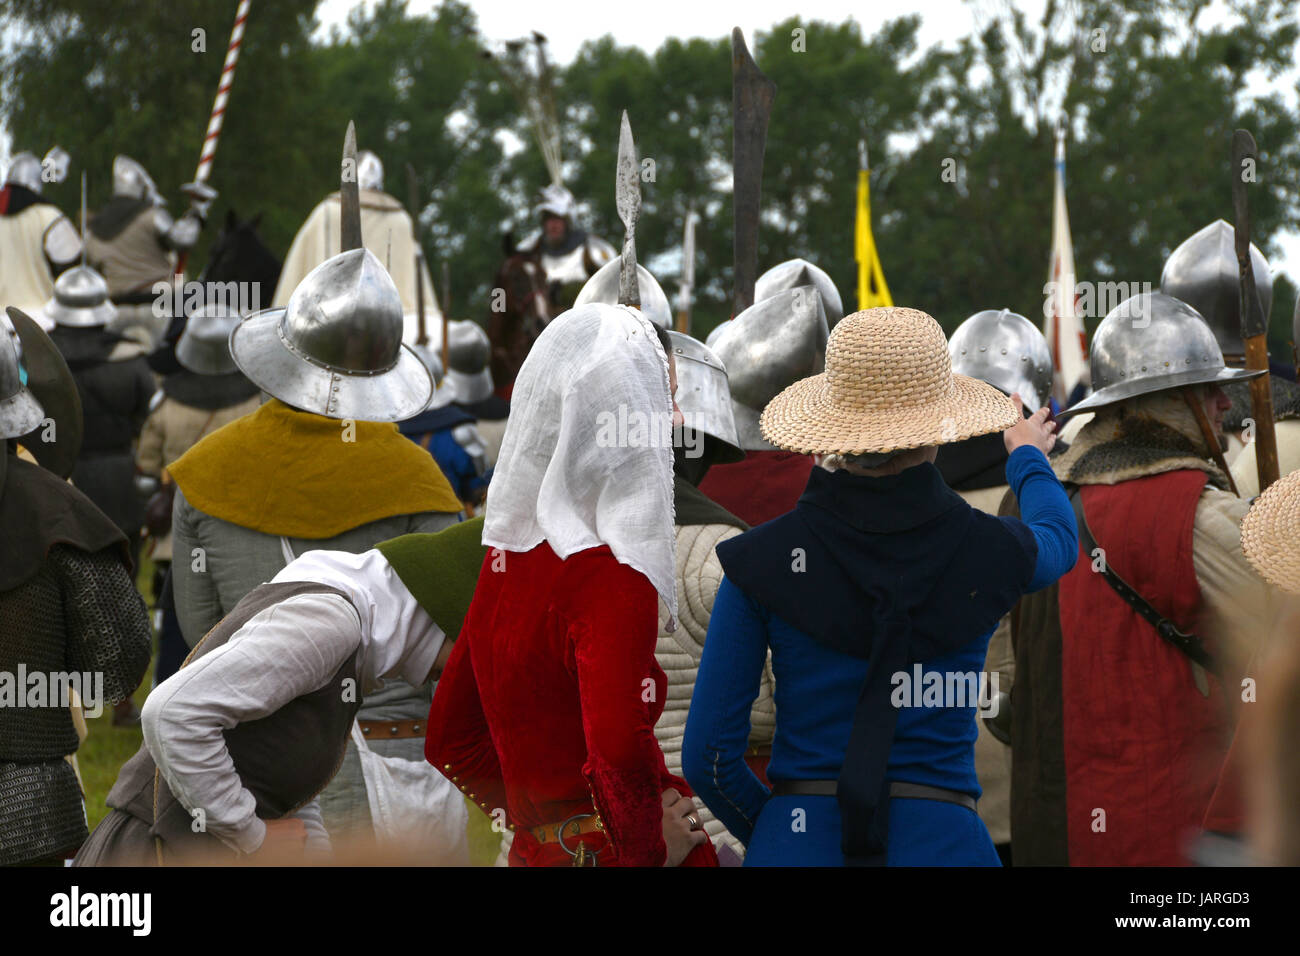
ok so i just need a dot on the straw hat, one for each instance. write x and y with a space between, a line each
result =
888 386
1270 534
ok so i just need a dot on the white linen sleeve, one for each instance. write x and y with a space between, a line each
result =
287 650
318 838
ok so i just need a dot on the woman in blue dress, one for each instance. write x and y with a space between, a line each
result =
876 597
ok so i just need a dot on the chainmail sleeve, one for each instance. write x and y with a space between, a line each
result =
107 623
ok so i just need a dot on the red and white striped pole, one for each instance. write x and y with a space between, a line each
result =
219 105
223 94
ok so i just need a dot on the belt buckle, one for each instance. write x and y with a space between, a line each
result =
582 854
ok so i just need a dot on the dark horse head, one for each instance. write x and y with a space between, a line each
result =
520 309
239 255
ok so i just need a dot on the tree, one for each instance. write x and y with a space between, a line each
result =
1150 102
134 77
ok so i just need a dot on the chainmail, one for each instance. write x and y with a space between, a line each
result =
1286 402
80 614
41 813
1141 437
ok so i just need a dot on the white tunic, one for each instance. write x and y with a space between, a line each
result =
287 650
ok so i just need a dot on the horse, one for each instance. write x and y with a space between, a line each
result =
239 255
520 309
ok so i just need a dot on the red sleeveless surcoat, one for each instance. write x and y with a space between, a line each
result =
1143 746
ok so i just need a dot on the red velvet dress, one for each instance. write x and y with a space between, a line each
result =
549 701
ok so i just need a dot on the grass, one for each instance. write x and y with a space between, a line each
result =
108 747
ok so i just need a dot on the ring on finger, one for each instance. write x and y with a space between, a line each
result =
694 821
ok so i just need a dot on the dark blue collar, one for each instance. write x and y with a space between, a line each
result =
881 505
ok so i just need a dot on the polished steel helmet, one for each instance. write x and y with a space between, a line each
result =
25 170
80 299
20 412
336 348
603 287
1203 273
444 389
771 345
204 346
1006 350
468 350
131 179
704 396
1151 342
795 272
370 171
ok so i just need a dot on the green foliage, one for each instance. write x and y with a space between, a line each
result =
1149 112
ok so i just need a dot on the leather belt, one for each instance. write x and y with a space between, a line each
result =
572 827
392 729
899 788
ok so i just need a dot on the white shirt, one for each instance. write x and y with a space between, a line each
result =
289 649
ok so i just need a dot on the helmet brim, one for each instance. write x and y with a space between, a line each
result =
393 395
1123 391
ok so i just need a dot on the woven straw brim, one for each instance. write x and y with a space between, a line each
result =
806 419
1270 534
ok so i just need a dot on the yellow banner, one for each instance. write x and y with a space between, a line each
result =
872 290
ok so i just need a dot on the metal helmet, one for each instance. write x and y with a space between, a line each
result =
370 171
336 348
603 287
704 397
20 412
204 346
1006 350
468 351
769 346
444 389
557 201
1151 342
131 179
1203 273
25 170
795 272
51 383
80 300
28 171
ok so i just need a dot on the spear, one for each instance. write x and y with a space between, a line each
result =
627 197
1254 324
209 149
446 314
349 194
413 194
751 106
688 273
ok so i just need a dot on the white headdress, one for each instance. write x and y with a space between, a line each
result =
587 456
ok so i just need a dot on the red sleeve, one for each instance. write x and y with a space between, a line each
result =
458 742
614 639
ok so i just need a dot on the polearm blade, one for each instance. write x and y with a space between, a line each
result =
349 194
751 106
688 273
413 193
627 196
1254 324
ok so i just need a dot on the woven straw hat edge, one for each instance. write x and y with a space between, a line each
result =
791 432
1268 530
